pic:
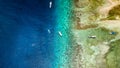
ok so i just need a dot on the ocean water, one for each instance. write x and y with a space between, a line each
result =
24 38
61 43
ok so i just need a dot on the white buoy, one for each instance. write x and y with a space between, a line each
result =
50 4
60 33
49 31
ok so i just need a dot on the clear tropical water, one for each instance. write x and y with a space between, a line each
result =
24 38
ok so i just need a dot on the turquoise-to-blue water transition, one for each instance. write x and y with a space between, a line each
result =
25 41
61 38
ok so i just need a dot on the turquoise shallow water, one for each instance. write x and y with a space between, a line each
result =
61 43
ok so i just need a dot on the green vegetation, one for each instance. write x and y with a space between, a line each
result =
95 3
113 56
115 11
101 34
111 17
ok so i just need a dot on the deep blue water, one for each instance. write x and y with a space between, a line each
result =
24 39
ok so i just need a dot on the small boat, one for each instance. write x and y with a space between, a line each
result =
50 4
92 37
112 33
59 33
